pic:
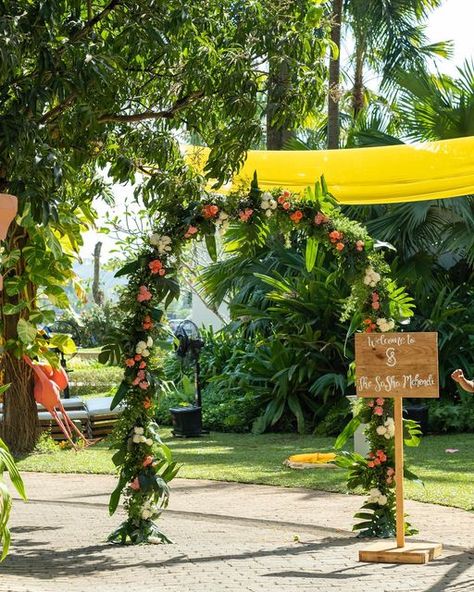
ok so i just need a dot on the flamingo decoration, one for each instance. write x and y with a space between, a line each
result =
48 384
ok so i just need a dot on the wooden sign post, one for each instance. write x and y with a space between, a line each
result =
398 365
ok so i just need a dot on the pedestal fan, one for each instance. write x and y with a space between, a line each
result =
187 421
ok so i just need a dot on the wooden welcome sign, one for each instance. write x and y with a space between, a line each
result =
398 365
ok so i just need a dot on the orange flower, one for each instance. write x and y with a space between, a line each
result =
155 266
210 211
286 194
147 403
286 205
147 461
191 231
335 236
162 271
130 362
138 357
281 199
320 219
339 246
147 323
360 245
296 216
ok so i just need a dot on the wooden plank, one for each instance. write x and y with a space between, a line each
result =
399 494
386 552
397 365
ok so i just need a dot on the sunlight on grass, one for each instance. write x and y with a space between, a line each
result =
449 478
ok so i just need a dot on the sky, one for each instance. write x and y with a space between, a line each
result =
453 20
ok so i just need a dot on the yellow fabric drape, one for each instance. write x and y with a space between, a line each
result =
364 176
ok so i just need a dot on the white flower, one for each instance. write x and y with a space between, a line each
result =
139 430
149 342
381 430
149 441
371 278
145 353
385 324
374 493
88 58
273 204
268 213
146 514
154 540
142 439
136 439
382 500
267 196
265 205
155 239
387 436
140 347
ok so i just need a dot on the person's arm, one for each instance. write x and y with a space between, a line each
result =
467 385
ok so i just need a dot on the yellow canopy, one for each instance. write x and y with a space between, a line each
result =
364 176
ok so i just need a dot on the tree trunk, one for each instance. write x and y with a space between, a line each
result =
358 100
278 82
20 417
334 75
97 293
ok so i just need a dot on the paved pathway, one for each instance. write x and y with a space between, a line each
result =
228 537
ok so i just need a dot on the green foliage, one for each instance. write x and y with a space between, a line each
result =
7 463
451 416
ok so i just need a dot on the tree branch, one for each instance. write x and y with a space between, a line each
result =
94 20
178 106
51 114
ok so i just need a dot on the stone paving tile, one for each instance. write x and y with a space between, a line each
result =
228 537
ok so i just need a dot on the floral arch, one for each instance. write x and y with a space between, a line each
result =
144 463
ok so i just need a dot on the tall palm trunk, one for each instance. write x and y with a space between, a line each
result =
358 100
20 416
334 76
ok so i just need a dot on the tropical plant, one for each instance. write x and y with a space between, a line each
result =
7 462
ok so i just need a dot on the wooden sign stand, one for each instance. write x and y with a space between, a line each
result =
400 551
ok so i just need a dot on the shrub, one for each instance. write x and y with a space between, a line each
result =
451 416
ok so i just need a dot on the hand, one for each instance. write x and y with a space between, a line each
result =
457 375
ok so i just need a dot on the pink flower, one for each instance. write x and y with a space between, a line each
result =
155 266
144 294
135 381
360 245
375 296
390 471
147 323
162 272
135 484
147 461
286 194
144 385
376 462
286 205
245 215
380 401
138 357
191 231
210 211
370 403
389 480
142 365
141 374
130 362
378 411
375 304
371 464
320 219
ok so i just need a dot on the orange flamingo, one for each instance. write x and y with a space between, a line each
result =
49 382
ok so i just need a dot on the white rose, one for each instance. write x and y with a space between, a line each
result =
149 442
146 514
149 342
273 204
141 345
382 500
155 239
139 430
374 493
381 430
265 205
268 213
267 196
142 438
145 353
136 439
387 435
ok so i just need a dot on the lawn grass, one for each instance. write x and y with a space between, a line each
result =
449 478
